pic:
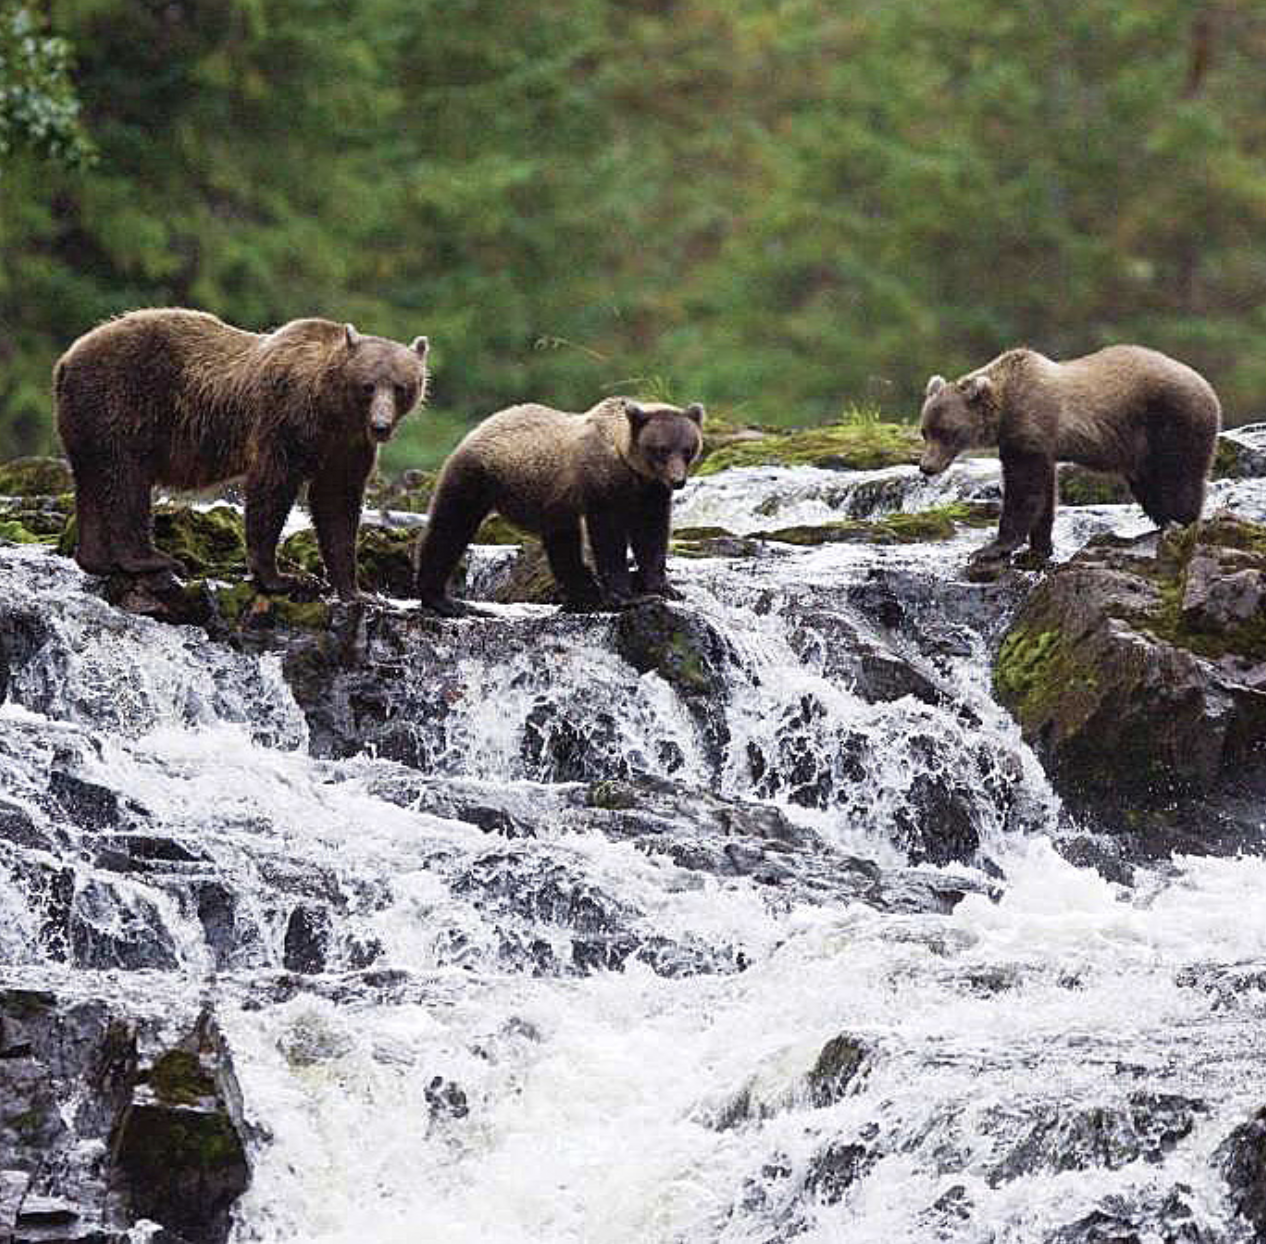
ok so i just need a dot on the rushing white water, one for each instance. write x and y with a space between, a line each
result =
540 1032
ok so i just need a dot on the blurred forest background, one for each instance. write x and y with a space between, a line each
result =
779 207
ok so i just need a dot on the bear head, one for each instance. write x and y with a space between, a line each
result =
957 416
385 380
664 441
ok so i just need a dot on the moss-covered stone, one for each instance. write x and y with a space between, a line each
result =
410 491
384 558
16 532
35 477
240 607
858 445
498 530
1133 668
938 523
178 1078
1080 486
210 543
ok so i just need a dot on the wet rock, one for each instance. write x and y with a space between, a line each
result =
384 558
446 1100
1242 1160
176 1148
939 523
73 1091
1145 1127
840 1062
1138 673
307 940
835 1169
1241 452
1167 1218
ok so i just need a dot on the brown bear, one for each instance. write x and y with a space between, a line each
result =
1125 409
179 397
615 467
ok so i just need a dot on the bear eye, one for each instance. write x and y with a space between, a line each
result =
402 395
368 387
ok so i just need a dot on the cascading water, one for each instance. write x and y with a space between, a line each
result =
569 952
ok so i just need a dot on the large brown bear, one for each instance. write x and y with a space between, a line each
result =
615 467
1126 409
179 397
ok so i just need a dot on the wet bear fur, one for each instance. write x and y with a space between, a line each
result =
178 397
615 468
1125 409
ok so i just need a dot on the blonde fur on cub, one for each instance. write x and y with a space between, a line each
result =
614 467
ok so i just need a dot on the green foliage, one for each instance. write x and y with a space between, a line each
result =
38 106
771 208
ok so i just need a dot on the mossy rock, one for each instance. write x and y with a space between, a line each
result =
178 1078
1241 453
1132 669
210 543
856 445
938 523
384 558
529 580
14 531
241 608
1080 486
498 530
678 645
35 477
409 492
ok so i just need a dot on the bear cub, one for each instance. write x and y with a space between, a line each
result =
1125 409
615 467
169 396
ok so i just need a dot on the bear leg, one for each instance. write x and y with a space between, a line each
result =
92 532
335 497
131 531
1040 542
609 539
648 535
457 510
270 490
581 591
1027 484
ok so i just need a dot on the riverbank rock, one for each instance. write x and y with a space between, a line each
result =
1138 673
106 1119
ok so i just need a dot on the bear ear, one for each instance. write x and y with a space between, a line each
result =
935 385
353 337
694 412
637 415
420 345
973 388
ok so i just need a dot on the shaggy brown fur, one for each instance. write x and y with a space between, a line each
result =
179 397
614 467
1126 409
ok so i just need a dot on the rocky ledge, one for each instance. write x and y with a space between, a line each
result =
1137 671
109 1117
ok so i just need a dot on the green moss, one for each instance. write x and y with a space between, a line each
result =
240 606
1079 486
384 557
35 477
611 796
178 1079
939 523
859 444
210 543
498 530
16 533
1036 674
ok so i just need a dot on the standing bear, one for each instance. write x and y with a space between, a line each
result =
178 397
1125 409
615 467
